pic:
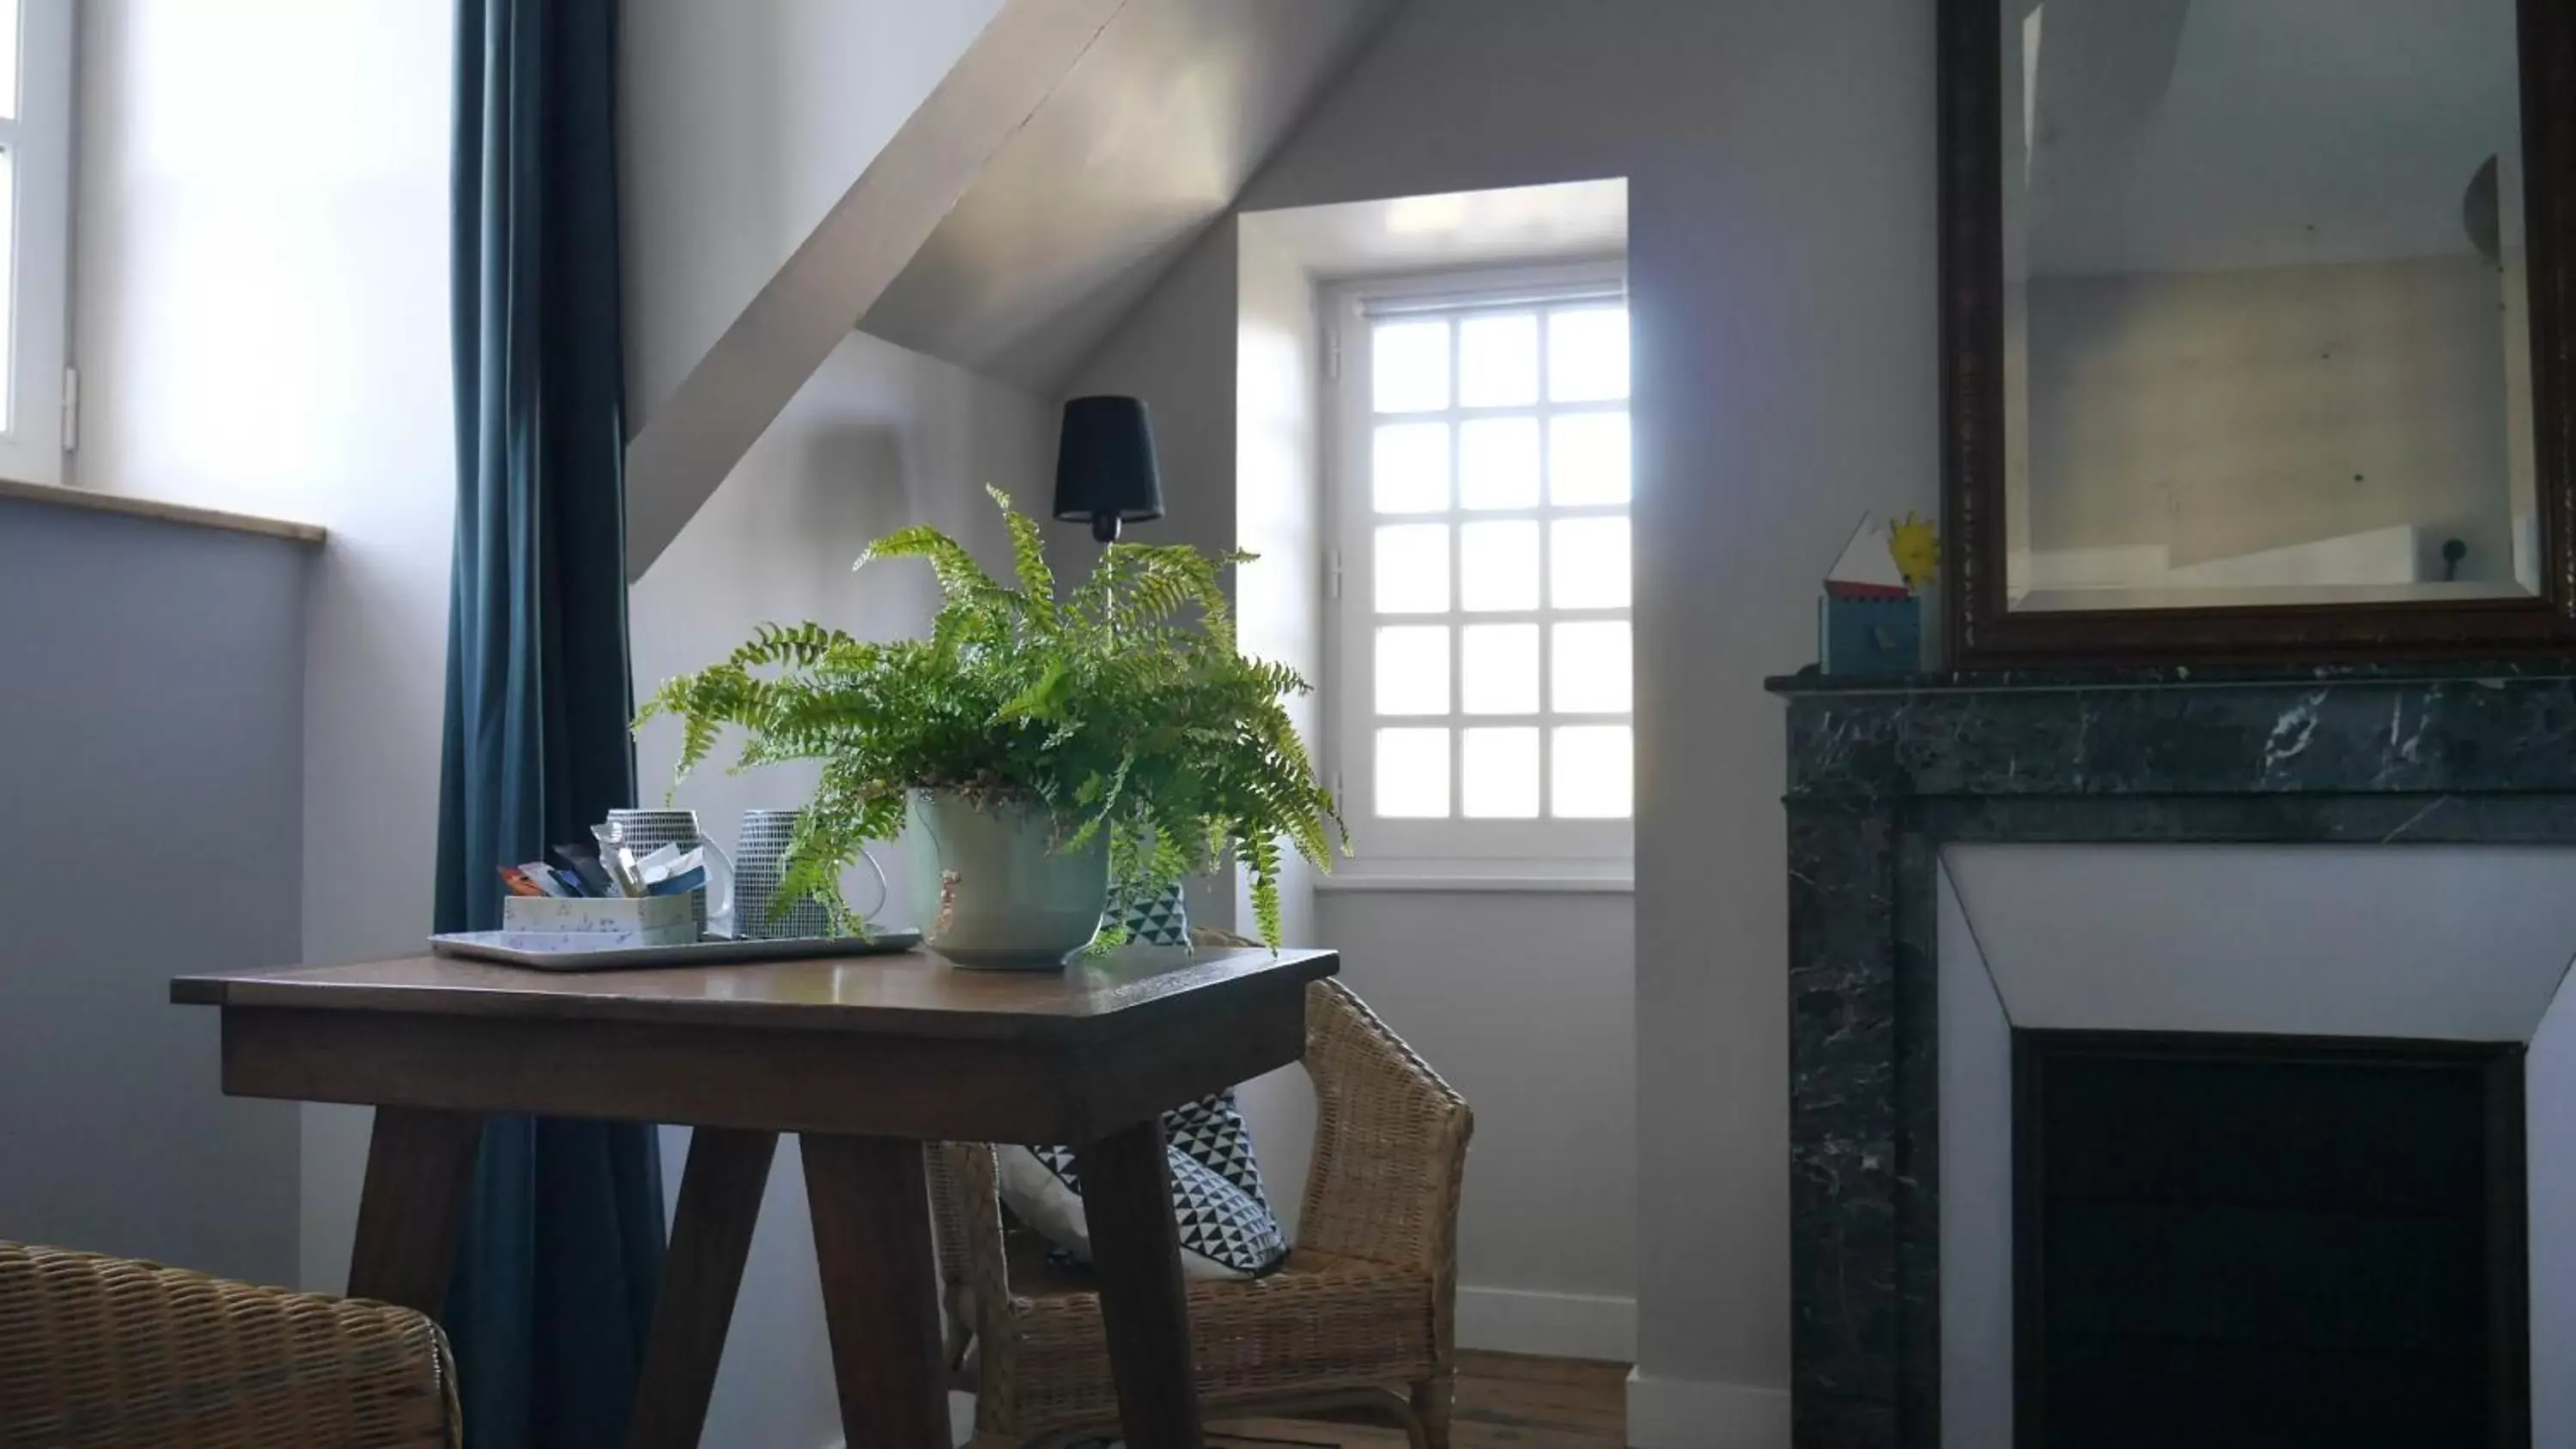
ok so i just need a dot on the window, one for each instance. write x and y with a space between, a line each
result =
35 233
1482 660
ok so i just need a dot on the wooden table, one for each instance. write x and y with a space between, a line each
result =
864 1057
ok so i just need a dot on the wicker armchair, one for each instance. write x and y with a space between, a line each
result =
106 1353
1360 1316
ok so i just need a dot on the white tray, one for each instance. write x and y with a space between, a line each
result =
718 951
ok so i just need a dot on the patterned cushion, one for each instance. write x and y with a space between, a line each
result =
1227 1229
1156 920
1211 1132
1226 1226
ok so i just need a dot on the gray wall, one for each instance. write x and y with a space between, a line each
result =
1780 163
152 789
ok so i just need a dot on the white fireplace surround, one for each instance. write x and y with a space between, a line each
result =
2468 943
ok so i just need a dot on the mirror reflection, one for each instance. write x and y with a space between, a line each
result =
2266 335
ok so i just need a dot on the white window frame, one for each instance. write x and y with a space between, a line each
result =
1415 852
39 139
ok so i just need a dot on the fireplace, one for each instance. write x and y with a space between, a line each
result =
2224 1241
2398 1053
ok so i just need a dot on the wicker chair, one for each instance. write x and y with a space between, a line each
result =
106 1353
1359 1318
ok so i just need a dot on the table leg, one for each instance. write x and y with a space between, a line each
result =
420 1169
871 1204
1127 1200
720 1193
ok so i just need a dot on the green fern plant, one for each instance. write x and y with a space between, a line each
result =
1123 707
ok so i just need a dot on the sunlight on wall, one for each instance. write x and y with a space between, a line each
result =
263 246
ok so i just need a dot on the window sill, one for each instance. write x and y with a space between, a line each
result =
154 508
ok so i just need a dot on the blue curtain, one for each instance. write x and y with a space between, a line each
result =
562 1248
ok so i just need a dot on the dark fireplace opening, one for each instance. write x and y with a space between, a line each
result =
2225 1241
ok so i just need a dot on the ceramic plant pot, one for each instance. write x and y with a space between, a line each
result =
992 892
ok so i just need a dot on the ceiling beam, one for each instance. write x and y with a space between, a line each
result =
692 442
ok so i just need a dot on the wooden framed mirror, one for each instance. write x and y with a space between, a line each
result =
2256 329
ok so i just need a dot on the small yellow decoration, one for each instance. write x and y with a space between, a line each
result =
1916 549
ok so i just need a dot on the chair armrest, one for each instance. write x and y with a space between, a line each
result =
970 1206
1390 1143
98 1351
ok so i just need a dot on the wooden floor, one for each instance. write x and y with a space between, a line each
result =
1524 1403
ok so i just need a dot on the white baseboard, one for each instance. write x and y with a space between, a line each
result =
961 1421
1551 1325
1691 1414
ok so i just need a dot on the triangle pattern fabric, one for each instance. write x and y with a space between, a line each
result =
1225 1230
1211 1131
1160 919
1222 1211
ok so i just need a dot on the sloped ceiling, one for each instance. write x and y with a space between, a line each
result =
692 442
1146 141
1043 186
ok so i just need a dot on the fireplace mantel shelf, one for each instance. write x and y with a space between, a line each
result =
2384 731
2166 676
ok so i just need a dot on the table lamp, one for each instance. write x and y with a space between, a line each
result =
1104 465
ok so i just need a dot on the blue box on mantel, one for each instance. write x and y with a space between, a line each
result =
1869 636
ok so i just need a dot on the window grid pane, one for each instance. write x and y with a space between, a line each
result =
1498 462
1500 565
1413 670
1413 774
1411 568
1409 468
1499 669
1498 360
1409 366
1593 774
1589 667
1501 682
1501 773
1588 563
1587 354
1587 458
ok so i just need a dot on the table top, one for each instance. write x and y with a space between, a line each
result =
913 994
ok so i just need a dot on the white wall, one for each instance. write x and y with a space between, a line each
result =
1781 252
879 439
1548 1227
1548 1232
261 296
742 124
1278 615
1526 1002
1278 497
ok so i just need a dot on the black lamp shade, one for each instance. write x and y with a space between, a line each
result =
1104 465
